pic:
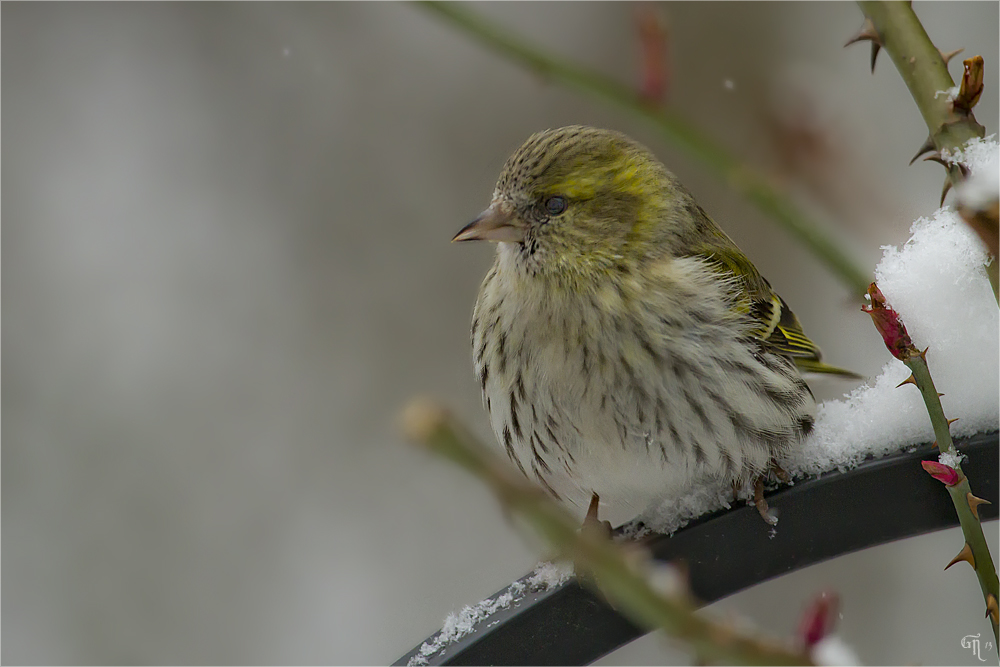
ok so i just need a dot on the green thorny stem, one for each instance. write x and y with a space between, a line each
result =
620 572
950 122
976 551
674 128
972 529
895 27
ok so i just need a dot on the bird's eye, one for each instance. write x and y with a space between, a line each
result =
555 205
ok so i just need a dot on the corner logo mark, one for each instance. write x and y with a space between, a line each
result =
972 642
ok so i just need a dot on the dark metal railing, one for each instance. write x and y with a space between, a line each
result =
882 500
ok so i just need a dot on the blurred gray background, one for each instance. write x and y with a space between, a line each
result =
226 267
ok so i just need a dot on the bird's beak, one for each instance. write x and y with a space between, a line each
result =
497 223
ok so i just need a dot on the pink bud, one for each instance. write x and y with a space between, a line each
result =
887 322
819 618
942 473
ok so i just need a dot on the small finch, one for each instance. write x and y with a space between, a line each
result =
625 346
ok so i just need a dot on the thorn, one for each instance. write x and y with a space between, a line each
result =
936 157
952 421
966 555
992 609
867 31
946 57
923 353
945 189
910 380
974 503
940 394
925 148
875 47
962 168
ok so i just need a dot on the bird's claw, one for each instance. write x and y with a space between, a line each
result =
591 523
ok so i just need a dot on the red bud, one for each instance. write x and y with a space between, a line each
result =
819 618
887 322
942 473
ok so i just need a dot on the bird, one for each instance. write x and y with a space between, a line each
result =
625 347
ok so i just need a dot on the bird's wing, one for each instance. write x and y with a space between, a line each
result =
775 325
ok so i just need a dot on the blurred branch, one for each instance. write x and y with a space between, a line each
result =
674 128
622 575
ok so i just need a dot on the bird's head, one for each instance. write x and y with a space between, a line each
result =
580 200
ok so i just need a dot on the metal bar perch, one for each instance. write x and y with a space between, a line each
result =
837 513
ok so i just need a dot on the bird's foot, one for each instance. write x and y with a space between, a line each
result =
591 523
770 516
780 472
